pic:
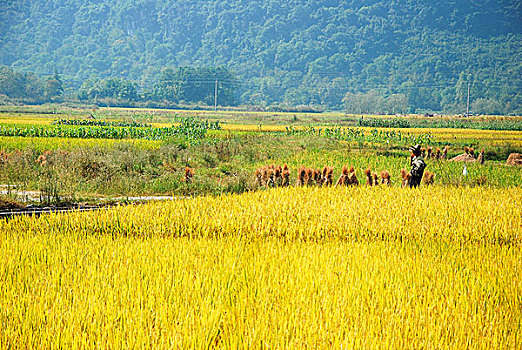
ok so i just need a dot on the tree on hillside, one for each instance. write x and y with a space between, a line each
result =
21 85
53 88
114 88
197 85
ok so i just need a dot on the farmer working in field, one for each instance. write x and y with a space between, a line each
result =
417 166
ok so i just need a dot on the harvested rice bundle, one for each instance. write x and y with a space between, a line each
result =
438 154
445 152
309 176
327 176
343 178
301 174
480 157
285 175
428 178
430 152
352 178
372 179
189 174
406 176
385 178
317 177
259 176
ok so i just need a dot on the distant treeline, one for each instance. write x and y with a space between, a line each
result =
185 85
189 86
29 88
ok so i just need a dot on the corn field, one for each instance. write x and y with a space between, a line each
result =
189 128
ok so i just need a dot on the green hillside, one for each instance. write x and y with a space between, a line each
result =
409 55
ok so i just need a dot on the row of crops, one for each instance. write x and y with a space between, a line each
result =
357 134
511 125
189 128
93 122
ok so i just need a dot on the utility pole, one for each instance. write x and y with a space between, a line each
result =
216 92
467 107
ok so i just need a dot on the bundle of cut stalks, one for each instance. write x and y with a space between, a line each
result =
352 178
372 179
271 175
301 175
385 178
429 153
347 178
343 178
285 176
480 157
406 176
259 176
317 177
42 159
445 153
428 178
278 171
189 174
438 154
327 176
309 176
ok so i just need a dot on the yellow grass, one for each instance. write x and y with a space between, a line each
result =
285 268
27 120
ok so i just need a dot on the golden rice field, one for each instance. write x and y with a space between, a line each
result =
435 267
493 137
484 215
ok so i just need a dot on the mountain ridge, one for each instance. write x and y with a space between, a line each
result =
283 52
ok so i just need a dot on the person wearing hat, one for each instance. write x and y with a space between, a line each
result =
417 166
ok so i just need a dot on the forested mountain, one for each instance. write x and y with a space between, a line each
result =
421 54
